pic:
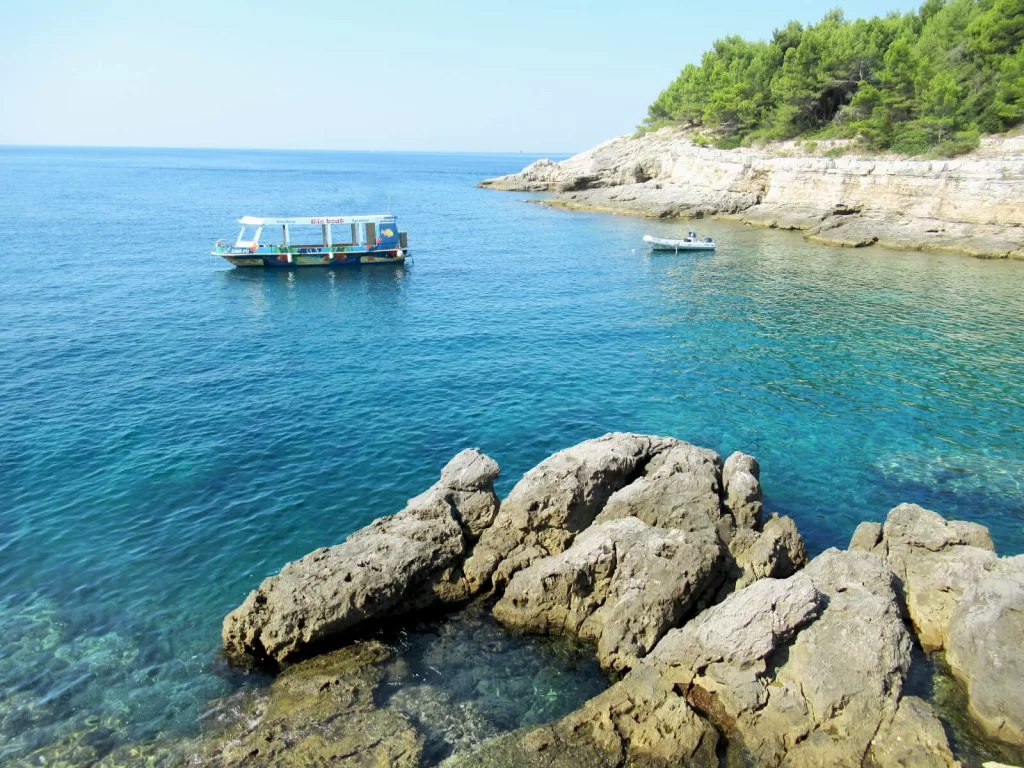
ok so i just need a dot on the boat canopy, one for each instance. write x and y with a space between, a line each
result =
260 221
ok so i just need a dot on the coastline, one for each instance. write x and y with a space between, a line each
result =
972 205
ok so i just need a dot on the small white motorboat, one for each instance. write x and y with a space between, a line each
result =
689 243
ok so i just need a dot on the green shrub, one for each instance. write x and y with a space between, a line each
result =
912 139
961 143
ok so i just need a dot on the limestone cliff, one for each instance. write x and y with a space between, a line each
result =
972 204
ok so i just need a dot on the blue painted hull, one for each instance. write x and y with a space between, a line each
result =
311 259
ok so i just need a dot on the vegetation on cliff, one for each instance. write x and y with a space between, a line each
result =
928 80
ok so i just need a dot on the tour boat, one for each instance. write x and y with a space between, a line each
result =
365 240
689 243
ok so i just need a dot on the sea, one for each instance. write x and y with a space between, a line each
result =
173 429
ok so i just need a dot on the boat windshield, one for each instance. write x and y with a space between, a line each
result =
319 232
248 236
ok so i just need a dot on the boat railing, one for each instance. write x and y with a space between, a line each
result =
223 247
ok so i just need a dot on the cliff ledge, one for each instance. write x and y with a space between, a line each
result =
972 204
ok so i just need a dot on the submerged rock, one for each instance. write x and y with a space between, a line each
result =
640 721
393 566
317 713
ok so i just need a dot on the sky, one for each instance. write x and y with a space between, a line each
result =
536 76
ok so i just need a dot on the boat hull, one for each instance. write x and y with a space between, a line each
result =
326 259
683 247
671 244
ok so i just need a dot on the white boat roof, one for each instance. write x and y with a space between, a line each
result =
258 221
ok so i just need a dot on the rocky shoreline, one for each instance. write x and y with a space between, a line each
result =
970 205
728 646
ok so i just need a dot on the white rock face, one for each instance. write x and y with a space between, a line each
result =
972 204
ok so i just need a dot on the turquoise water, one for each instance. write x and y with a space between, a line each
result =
173 430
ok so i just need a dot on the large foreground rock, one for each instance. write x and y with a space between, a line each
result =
688 488
803 671
617 540
986 649
556 500
658 552
935 561
680 487
621 585
395 565
456 540
962 598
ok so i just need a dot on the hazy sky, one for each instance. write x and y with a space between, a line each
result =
530 75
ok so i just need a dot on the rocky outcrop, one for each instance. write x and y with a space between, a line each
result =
556 500
935 561
986 648
775 551
808 670
456 540
962 598
690 489
621 585
671 524
679 487
741 476
658 552
972 204
395 565
805 670
912 736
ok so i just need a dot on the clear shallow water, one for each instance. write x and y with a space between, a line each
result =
464 679
172 430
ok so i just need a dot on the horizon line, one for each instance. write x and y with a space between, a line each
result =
287 149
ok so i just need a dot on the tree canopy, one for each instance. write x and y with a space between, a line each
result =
928 80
